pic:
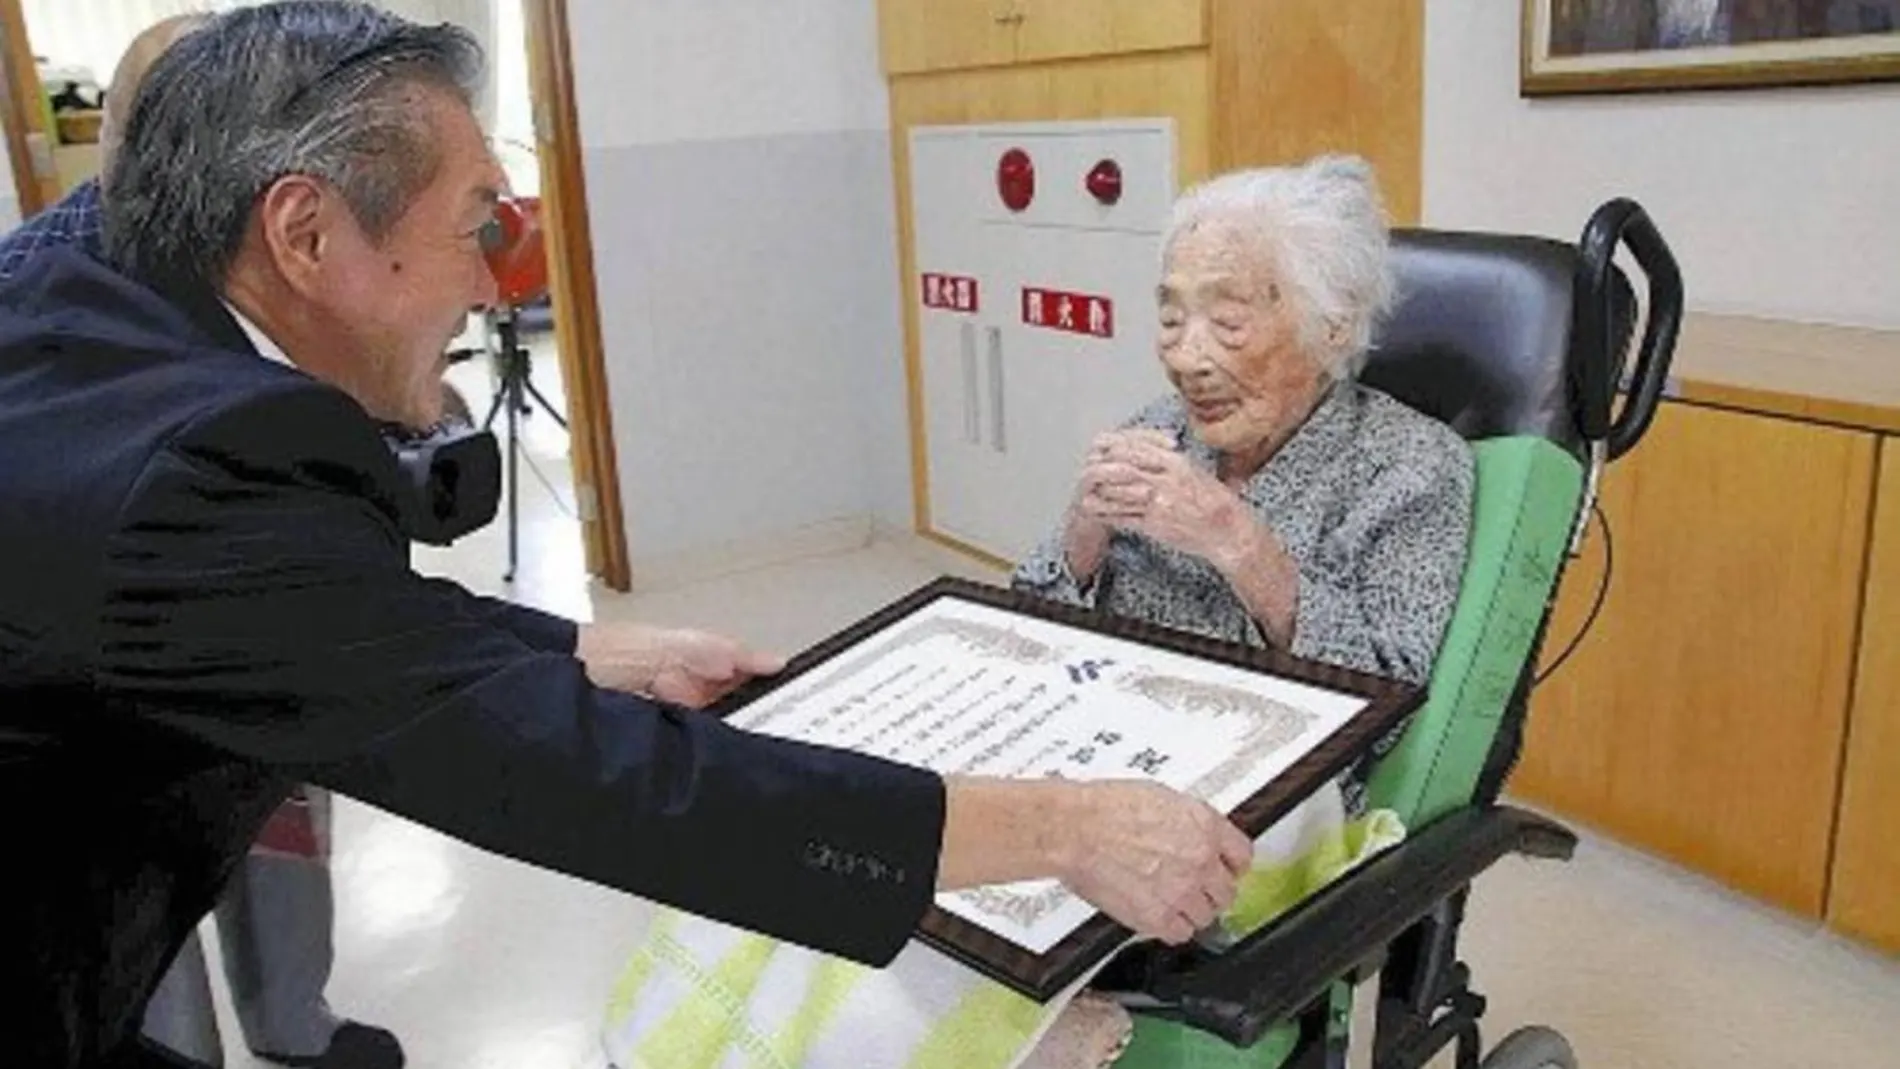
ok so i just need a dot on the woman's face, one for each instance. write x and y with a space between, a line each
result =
1230 342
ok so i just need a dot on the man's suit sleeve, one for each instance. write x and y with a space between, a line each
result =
543 631
265 606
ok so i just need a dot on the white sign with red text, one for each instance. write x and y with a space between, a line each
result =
951 293
1074 313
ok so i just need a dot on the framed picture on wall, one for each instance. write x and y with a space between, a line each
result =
1622 46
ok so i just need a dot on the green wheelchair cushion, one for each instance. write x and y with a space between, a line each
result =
1526 500
1528 492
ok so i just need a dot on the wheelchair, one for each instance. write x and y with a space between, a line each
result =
1519 343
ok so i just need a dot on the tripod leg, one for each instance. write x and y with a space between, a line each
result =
536 394
513 394
494 407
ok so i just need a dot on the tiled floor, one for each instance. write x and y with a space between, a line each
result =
481 962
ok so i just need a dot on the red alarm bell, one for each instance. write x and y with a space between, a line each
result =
1016 179
1105 182
515 246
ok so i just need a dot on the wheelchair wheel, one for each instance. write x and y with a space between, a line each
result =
1531 1048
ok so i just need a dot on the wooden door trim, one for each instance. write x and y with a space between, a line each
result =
1863 855
914 400
17 77
577 304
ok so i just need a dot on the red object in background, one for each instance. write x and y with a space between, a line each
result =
1074 313
515 246
952 293
290 832
1016 179
1105 182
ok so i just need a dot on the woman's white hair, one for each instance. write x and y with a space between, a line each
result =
1322 226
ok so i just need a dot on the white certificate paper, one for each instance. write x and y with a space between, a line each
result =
962 688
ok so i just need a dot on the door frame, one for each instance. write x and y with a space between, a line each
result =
570 248
575 292
19 89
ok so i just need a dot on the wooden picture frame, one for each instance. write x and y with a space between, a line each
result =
1043 976
1574 47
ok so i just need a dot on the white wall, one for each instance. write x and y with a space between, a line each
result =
1778 203
739 188
696 70
514 100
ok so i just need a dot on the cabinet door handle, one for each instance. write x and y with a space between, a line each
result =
972 420
996 390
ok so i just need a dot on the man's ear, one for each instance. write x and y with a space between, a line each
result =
296 214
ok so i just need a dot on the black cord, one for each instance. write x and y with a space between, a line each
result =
1603 591
552 492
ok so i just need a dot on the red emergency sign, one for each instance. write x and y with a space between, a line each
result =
1075 313
952 293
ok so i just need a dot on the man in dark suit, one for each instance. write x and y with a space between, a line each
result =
277 911
205 595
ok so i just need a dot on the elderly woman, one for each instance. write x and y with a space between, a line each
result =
1271 499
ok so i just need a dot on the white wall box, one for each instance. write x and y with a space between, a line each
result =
1036 320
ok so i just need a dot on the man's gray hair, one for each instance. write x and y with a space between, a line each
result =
331 89
1322 227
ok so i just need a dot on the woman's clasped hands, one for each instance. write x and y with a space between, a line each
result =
1136 480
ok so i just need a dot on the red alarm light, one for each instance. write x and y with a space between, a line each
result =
1016 179
1105 182
515 246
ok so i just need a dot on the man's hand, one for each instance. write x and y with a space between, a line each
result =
682 667
698 669
1162 863
1156 860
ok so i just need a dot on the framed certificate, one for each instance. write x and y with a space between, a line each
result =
962 678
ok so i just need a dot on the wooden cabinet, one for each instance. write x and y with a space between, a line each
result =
934 35
1238 82
1070 29
1248 83
938 35
1350 76
1865 900
1736 707
1703 716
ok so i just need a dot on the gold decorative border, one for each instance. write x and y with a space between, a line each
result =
1276 725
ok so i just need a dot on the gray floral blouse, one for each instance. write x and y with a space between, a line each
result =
1372 499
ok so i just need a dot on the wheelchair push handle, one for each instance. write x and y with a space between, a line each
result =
1623 221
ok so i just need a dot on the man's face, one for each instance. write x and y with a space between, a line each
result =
397 304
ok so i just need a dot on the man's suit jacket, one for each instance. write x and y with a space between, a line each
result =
78 219
205 597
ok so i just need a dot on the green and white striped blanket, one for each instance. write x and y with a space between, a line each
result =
702 995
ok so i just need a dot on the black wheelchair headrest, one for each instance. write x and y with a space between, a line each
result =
1503 334
1479 336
